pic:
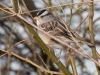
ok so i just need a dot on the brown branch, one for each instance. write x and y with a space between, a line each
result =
81 23
85 55
52 7
92 35
31 62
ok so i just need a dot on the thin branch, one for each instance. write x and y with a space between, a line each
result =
52 7
92 35
81 22
15 5
31 62
85 55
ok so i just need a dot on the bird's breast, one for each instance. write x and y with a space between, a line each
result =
44 37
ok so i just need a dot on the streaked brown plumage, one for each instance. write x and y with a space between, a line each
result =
54 27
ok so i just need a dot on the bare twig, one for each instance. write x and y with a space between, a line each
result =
92 34
85 55
68 4
32 63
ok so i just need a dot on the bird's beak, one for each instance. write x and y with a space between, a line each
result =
36 18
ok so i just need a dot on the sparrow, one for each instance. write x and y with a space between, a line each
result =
50 24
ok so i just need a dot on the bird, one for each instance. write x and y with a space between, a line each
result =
54 27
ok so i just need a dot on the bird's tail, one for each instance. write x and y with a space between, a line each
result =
87 43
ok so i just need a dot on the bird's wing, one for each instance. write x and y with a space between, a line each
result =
68 34
58 30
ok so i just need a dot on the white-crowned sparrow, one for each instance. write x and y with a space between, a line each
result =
46 21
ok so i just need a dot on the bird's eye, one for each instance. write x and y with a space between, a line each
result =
42 16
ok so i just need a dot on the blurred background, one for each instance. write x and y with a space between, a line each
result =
14 36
